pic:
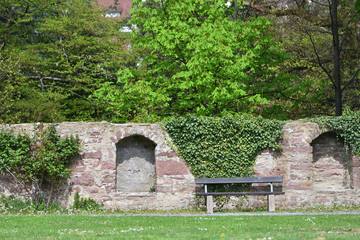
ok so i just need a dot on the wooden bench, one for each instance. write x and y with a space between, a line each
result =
247 180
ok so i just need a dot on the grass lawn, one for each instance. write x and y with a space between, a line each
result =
180 227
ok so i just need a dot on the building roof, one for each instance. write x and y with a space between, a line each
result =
121 7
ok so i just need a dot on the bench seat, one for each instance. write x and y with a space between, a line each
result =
246 180
238 193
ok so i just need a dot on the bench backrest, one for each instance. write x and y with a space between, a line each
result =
239 180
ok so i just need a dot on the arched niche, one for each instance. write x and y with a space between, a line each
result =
330 163
135 164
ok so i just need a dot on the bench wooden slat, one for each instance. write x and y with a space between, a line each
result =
239 180
238 193
209 195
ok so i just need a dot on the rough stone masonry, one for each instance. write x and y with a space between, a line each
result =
135 166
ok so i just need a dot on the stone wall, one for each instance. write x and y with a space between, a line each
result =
315 168
133 166
112 153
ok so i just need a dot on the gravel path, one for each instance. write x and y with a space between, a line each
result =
236 214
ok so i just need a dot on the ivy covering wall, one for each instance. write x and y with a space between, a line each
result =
37 162
228 146
346 127
223 147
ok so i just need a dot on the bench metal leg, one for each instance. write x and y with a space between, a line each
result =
209 204
271 203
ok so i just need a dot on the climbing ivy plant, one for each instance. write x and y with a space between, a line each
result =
223 147
37 162
347 127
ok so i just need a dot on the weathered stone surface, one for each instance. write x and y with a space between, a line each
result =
86 179
171 167
92 155
135 164
311 162
108 165
78 169
169 154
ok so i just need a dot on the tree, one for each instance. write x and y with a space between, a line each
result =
201 59
64 51
322 38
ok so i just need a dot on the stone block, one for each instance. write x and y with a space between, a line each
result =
356 161
163 189
169 154
304 185
108 179
306 166
108 165
92 155
78 169
171 167
95 164
92 189
110 188
86 179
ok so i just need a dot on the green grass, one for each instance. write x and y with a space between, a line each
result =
180 227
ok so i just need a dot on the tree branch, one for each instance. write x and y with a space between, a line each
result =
51 78
346 30
72 92
318 57
351 80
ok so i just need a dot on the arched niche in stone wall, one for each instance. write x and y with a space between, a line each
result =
330 167
135 164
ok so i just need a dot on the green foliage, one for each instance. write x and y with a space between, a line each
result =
200 60
223 147
12 205
347 127
305 31
37 162
87 204
53 55
255 226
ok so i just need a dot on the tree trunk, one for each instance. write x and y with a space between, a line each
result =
336 48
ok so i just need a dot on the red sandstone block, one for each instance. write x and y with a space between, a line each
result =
109 179
108 165
303 166
118 135
95 164
86 179
78 169
169 154
92 155
109 188
92 189
171 167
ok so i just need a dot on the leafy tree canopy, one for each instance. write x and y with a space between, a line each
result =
202 58
53 55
